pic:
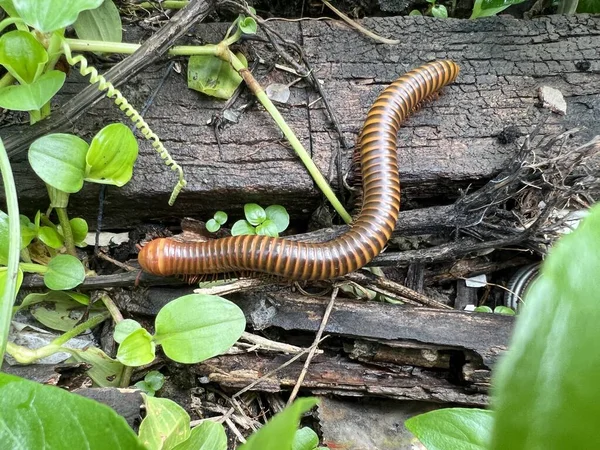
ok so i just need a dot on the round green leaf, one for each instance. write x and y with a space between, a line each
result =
242 227
504 310
59 160
267 228
248 25
220 217
415 12
73 299
79 227
51 15
124 328
50 237
22 55
212 225
254 213
36 416
206 436
155 379
30 97
62 312
166 424
439 11
100 24
137 349
305 439
213 76
279 215
453 428
111 156
483 309
64 272
145 388
196 327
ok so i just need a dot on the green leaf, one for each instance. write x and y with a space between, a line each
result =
111 156
267 228
305 439
57 311
105 371
3 275
588 6
439 11
4 238
51 15
22 55
206 436
7 5
36 416
137 349
100 24
248 25
124 328
79 227
145 388
50 237
547 394
278 433
166 424
196 327
64 272
59 160
155 379
504 310
220 217
486 8
415 12
242 227
483 309
213 76
55 296
279 215
254 213
213 226
459 428
29 230
30 97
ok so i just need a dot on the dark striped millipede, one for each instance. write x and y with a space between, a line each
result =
368 234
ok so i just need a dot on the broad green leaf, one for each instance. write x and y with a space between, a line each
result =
439 11
305 439
486 8
546 390
7 5
36 416
137 349
248 25
220 217
196 327
267 228
206 436
242 227
155 379
100 24
213 76
504 310
50 237
279 216
58 313
254 213
80 229
22 55
111 156
55 296
213 226
105 371
415 12
453 428
28 231
59 160
588 6
166 424
64 272
278 433
483 309
124 328
145 388
30 97
51 15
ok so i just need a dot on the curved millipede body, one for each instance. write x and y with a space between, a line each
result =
368 234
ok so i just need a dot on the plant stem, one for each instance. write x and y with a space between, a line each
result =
80 45
7 298
6 80
167 4
63 218
78 329
287 131
33 268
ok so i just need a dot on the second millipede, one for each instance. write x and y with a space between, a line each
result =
368 234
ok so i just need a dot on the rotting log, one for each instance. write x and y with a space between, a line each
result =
451 142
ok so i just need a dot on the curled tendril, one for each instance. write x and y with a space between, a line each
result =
112 92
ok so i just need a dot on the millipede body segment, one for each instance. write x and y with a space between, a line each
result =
368 234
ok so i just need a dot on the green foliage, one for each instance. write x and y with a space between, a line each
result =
459 428
588 6
60 310
214 224
51 15
104 371
497 310
267 222
137 349
100 24
305 439
279 432
124 328
64 272
166 424
31 419
206 436
434 10
212 76
486 8
247 25
30 97
14 45
151 383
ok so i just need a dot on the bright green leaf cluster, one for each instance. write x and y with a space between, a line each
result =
151 383
266 222
214 224
486 8
212 76
497 310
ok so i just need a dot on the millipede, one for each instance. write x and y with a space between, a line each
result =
368 234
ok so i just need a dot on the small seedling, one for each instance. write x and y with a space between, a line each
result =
151 383
266 222
214 224
433 9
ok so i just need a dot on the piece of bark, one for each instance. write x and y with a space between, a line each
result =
450 143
